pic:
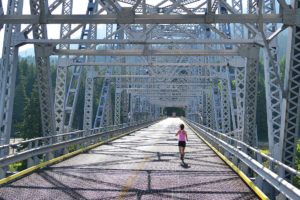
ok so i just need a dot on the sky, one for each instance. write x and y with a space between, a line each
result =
78 8
53 30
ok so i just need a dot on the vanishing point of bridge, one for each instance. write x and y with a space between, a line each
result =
124 63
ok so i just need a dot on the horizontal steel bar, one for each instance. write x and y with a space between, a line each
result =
143 19
157 52
152 77
151 64
141 42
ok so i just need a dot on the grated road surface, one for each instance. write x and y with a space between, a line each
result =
144 165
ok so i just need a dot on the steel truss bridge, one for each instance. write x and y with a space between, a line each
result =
200 55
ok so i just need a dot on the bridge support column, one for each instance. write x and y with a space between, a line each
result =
217 109
8 70
42 53
249 129
240 99
61 75
117 119
88 100
291 101
225 108
209 113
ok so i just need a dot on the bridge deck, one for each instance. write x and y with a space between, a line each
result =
144 165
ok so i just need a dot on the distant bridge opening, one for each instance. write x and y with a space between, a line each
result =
177 111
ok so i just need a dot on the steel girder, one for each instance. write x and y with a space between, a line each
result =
233 41
249 129
155 52
118 93
209 110
231 96
225 105
40 8
131 18
104 115
8 70
70 99
240 98
1 12
217 108
162 35
273 85
61 74
88 100
291 102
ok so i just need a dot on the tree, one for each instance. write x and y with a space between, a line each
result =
19 103
32 126
19 99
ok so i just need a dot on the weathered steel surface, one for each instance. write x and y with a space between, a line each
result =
144 165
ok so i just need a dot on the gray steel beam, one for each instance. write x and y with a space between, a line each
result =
144 19
61 74
290 113
8 70
154 64
23 41
39 8
157 52
251 78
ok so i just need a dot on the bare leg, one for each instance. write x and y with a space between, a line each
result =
181 153
183 148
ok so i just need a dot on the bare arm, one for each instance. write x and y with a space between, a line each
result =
186 136
177 133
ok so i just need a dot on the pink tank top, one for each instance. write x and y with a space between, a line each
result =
181 136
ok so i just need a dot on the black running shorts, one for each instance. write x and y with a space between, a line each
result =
181 143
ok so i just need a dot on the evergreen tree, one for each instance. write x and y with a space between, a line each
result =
30 77
32 126
19 102
19 99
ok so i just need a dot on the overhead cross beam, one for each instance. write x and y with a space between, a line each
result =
156 52
144 19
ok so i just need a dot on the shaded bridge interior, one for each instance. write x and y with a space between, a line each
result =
142 165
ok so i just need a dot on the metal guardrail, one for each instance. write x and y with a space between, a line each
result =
49 144
241 153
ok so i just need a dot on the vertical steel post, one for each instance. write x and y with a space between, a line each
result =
8 70
290 114
42 52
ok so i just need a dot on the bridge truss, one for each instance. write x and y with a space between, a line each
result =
201 55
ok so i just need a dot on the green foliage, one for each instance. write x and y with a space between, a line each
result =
31 126
296 180
19 101
282 68
18 166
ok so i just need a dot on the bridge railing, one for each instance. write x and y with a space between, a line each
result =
41 149
265 168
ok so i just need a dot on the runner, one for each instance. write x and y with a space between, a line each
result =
182 138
